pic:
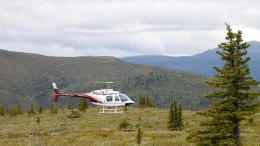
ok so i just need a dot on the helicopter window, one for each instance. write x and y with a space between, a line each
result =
123 97
109 98
116 98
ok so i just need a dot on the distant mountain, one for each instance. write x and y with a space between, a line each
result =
27 77
200 63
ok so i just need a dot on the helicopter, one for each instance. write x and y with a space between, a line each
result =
109 99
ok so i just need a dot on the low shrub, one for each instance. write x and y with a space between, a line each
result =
74 114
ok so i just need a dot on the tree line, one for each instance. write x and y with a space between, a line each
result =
18 110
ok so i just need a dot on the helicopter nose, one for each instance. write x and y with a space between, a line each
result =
129 103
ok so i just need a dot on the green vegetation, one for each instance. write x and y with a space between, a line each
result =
14 111
191 106
53 109
180 118
2 110
139 136
38 120
163 86
145 101
125 126
68 105
175 121
23 76
82 106
40 110
102 130
74 114
31 111
233 101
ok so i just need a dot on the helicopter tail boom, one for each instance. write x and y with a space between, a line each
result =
56 92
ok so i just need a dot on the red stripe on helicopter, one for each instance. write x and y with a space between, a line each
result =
93 99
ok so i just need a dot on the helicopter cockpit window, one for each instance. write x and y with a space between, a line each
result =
116 98
123 97
109 98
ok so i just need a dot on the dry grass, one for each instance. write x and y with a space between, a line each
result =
97 129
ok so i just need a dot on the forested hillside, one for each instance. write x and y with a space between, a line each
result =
28 77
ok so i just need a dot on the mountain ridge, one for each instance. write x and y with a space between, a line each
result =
201 63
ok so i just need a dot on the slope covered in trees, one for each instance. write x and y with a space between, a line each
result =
28 77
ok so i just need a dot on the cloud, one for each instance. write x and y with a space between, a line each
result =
123 27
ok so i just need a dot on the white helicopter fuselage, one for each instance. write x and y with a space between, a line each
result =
110 98
102 97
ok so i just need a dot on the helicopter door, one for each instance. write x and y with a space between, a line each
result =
117 99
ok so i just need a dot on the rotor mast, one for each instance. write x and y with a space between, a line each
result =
108 84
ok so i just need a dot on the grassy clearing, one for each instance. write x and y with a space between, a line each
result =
97 129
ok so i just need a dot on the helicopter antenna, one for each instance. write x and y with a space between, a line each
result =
108 84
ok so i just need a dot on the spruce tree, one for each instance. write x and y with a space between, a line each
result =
7 110
173 117
145 101
233 100
62 109
139 136
19 109
68 105
191 106
141 101
38 120
82 105
31 111
40 110
149 102
53 109
2 110
180 118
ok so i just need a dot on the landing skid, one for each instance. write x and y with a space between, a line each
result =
110 110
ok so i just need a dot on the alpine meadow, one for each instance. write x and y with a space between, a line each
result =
172 107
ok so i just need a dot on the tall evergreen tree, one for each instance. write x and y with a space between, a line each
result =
2 110
191 106
68 105
38 120
141 101
180 118
19 109
53 109
40 110
31 111
173 117
82 105
139 136
145 101
234 99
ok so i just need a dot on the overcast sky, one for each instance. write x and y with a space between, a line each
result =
123 27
